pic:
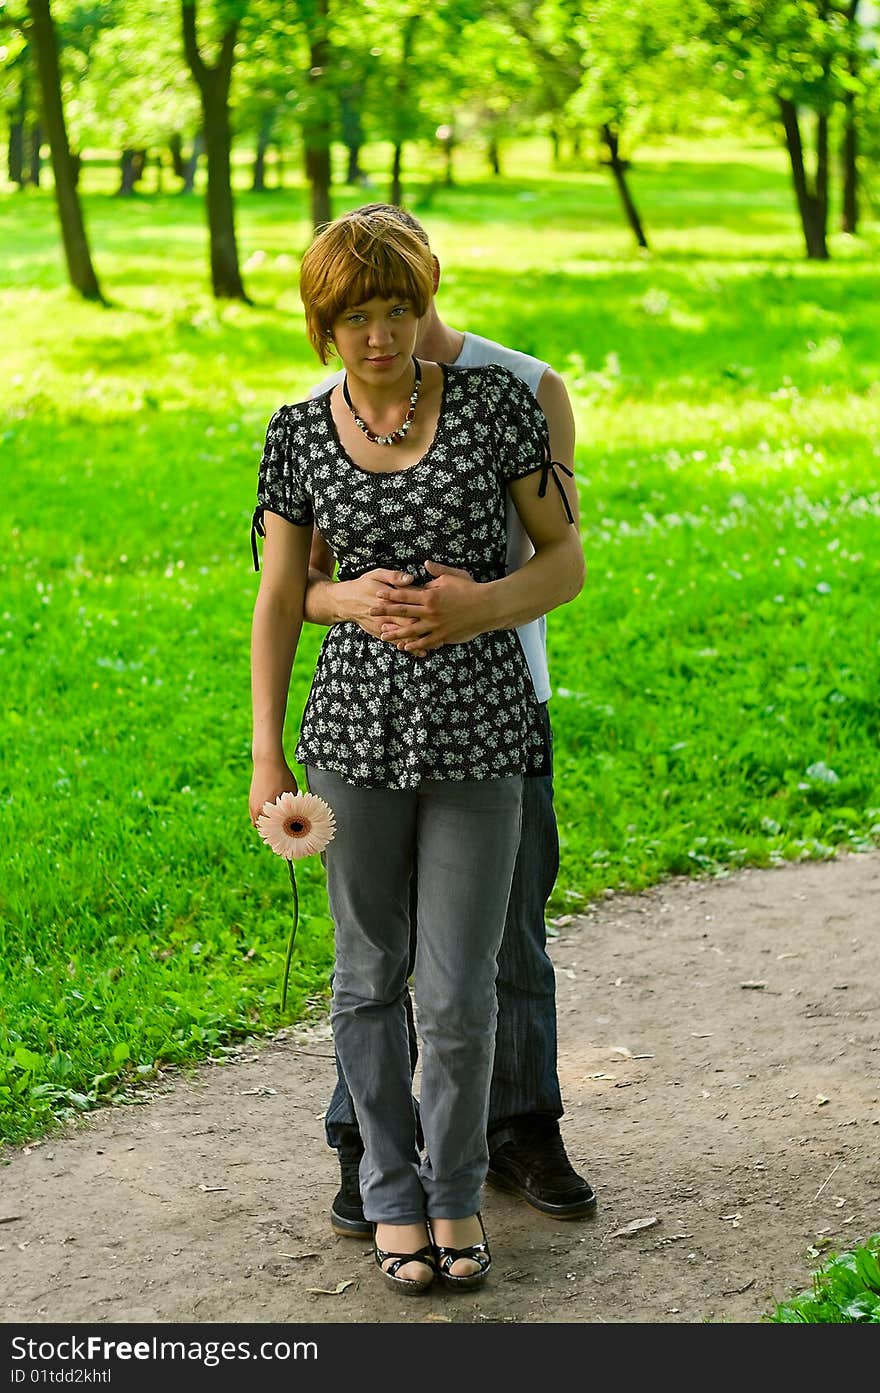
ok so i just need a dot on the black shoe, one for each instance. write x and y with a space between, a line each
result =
537 1169
347 1211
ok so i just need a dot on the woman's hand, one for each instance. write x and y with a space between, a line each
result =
269 780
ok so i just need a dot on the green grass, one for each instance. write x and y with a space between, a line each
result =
845 1291
716 682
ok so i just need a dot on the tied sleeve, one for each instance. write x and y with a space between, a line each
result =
524 440
280 488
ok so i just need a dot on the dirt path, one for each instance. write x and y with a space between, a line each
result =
720 1060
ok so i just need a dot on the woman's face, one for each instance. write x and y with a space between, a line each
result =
375 340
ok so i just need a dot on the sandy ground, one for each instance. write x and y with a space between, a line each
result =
720 1062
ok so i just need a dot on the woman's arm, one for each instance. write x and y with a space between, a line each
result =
277 623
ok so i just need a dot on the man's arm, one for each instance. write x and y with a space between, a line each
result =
453 608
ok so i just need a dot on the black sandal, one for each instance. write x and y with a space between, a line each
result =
407 1286
477 1252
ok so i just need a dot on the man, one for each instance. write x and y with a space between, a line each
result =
527 1155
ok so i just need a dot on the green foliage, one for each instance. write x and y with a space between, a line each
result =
796 49
845 1291
638 66
716 699
134 89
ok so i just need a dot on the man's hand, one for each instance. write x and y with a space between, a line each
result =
451 608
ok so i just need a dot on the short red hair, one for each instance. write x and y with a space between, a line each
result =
357 257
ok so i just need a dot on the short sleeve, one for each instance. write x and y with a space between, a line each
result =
280 488
523 437
521 427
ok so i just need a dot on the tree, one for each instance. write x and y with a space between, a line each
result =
496 93
131 89
271 80
414 74
17 89
73 233
794 58
213 82
861 91
317 129
547 29
404 100
291 76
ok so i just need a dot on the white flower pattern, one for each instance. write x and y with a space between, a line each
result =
374 715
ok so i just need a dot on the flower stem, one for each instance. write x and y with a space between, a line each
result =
292 938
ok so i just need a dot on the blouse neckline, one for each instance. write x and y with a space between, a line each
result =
389 473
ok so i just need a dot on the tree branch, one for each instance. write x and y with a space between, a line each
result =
197 65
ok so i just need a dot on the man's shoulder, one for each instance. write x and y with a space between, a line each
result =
327 384
479 352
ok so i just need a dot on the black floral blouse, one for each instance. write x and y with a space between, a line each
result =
376 716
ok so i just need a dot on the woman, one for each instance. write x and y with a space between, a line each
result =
421 757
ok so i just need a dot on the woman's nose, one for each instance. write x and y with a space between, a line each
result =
380 332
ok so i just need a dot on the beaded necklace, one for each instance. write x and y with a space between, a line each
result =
395 435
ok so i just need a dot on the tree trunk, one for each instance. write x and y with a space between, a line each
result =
225 276
352 132
812 204
618 169
131 166
317 160
15 153
258 179
264 138
15 148
849 210
402 106
316 126
395 195
191 165
35 158
493 153
448 147
849 213
76 247
175 148
354 174
213 84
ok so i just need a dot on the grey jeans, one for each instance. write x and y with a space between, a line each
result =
461 839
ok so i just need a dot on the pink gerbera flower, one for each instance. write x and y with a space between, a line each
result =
297 825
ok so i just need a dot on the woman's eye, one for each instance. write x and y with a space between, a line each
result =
399 310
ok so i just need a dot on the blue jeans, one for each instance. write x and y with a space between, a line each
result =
525 1084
